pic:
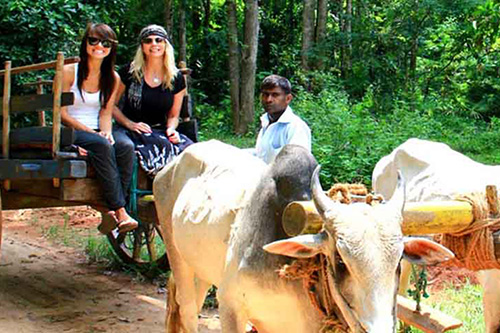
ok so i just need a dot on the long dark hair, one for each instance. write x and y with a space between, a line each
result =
107 79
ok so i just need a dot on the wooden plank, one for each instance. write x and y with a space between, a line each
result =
5 111
492 198
42 169
38 137
16 200
56 111
84 189
40 66
146 211
39 91
35 187
39 193
39 84
31 103
427 319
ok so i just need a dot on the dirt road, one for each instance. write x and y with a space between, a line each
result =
46 287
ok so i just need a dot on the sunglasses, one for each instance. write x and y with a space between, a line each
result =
158 40
104 42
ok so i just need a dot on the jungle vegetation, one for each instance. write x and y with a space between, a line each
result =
367 74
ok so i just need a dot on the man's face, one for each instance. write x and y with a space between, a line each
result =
274 100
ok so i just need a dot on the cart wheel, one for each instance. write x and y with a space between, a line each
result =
142 247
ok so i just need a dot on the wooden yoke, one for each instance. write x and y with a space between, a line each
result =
419 218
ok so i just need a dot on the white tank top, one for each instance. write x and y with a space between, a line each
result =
85 110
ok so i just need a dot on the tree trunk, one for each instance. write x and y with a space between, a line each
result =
347 45
249 64
414 43
206 4
168 17
321 30
234 63
182 31
413 55
307 32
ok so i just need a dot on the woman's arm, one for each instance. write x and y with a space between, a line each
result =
68 78
106 112
122 119
173 116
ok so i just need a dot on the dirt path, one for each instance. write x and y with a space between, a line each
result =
51 288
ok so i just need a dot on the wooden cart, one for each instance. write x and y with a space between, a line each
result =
36 172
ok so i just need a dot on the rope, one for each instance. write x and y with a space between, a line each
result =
474 247
349 193
312 271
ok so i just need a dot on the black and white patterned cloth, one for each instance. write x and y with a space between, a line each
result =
154 150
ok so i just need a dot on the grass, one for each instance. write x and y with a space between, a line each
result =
95 245
464 304
98 249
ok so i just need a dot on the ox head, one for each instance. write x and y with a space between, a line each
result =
364 246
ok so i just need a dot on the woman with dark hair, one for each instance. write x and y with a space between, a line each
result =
94 84
153 90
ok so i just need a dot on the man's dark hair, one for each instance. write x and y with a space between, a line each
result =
273 81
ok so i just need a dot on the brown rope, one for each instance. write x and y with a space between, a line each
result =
473 247
348 193
312 271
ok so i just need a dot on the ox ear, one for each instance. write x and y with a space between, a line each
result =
303 246
424 251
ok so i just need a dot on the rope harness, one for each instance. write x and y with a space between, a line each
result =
314 274
474 247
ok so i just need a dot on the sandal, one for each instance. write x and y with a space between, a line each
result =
127 225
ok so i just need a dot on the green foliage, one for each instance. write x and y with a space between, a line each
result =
420 286
463 303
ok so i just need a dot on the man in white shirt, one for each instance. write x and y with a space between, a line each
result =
280 126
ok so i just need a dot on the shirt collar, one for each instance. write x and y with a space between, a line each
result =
286 117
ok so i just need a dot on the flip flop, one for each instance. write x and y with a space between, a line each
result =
127 225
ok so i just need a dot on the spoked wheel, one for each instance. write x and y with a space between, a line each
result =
142 247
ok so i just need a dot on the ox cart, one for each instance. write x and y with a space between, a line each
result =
37 170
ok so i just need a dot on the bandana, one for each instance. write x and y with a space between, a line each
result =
153 30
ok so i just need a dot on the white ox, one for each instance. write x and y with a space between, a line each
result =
219 206
433 171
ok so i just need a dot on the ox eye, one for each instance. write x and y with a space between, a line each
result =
339 264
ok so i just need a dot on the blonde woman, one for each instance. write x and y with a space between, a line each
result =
153 91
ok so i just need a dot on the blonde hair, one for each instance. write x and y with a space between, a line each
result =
169 68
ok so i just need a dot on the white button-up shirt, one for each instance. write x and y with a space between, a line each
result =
273 137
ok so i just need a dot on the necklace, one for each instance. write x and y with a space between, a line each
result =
156 79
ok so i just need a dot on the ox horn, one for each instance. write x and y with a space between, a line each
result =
322 202
398 198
